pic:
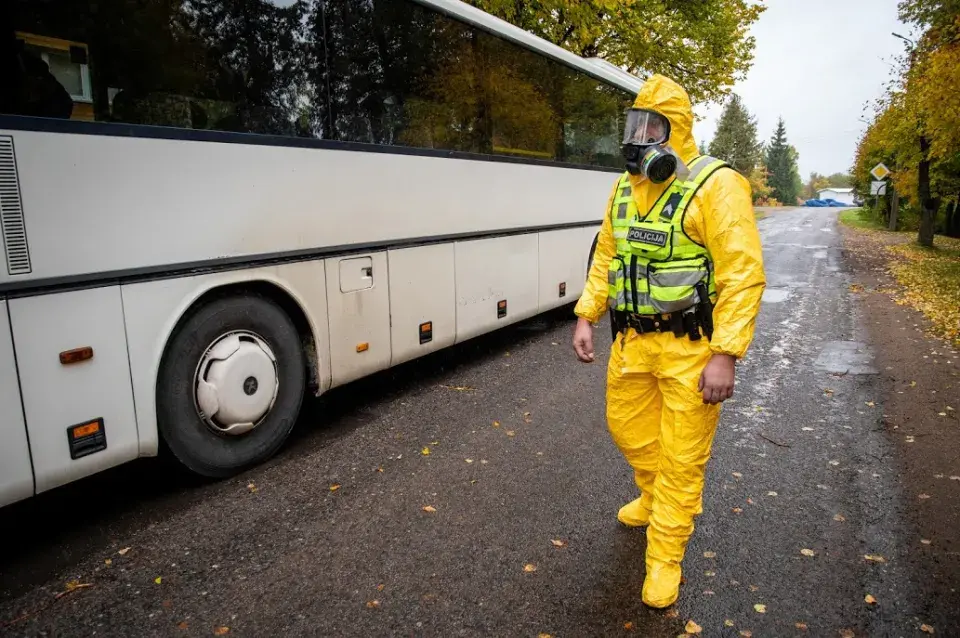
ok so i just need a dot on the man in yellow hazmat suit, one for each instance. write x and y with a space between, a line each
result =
678 264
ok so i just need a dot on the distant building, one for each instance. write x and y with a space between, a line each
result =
844 195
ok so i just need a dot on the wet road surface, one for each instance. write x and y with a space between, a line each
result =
331 536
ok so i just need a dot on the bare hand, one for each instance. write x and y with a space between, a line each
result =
716 381
583 341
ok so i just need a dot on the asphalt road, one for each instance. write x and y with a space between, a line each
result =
518 457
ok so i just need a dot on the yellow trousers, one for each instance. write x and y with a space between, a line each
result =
657 418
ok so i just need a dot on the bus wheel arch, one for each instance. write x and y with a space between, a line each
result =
243 351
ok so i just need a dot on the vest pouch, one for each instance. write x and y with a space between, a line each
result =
673 283
651 240
616 284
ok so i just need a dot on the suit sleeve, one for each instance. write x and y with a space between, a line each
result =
729 230
593 301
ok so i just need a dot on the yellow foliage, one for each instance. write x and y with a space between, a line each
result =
931 279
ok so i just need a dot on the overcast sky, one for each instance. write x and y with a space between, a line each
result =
816 63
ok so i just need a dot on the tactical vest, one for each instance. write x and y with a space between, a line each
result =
657 266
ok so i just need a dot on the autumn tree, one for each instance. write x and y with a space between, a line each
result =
736 139
703 45
916 126
781 161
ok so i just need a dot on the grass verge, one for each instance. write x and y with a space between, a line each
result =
931 281
860 218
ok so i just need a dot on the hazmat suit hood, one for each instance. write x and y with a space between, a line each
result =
663 95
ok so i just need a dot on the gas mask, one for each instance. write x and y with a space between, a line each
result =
644 145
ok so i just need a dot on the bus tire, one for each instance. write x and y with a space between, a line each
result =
199 354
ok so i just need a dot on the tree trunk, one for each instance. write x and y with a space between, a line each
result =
894 206
928 208
953 218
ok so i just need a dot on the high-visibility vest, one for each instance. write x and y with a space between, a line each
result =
657 266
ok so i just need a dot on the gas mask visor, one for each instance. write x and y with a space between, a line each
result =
645 128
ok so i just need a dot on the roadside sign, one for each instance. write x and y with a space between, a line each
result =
878 188
880 171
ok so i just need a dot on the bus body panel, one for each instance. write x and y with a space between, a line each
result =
491 271
563 260
57 396
153 308
16 473
359 305
422 290
174 202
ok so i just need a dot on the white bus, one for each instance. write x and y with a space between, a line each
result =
212 207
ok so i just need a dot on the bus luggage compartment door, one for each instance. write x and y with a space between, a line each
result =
16 476
358 303
71 350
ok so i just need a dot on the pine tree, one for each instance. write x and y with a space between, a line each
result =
736 138
781 161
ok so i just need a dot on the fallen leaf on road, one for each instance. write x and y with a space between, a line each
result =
123 552
158 580
511 433
942 414
182 624
251 487
496 424
221 631
425 451
709 554
558 543
430 508
692 627
949 409
955 478
876 558
761 609
746 633
736 510
373 604
870 600
737 475
802 626
529 568
839 518
771 494
847 633
834 462
754 588
334 487
925 541
927 629
673 613
108 562
808 552
469 460
913 384
856 288
527 418
923 497
380 587
628 626
750 501
544 636
728 623
711 574
380 469
74 585
910 439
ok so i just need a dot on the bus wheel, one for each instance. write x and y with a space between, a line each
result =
230 385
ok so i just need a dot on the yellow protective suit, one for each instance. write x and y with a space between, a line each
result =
655 412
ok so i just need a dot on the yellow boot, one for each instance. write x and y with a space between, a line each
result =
661 587
636 513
